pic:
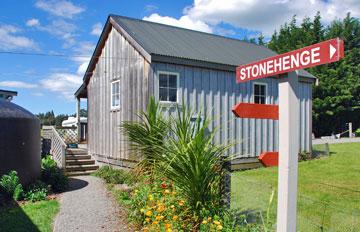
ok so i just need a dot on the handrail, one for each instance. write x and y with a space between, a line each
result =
58 148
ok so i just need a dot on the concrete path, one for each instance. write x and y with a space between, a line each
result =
330 141
88 206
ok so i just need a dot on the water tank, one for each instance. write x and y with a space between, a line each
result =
19 142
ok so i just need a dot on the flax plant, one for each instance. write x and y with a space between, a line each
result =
147 135
192 161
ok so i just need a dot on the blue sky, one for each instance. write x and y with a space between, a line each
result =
72 28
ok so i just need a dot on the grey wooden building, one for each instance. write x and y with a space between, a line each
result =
136 59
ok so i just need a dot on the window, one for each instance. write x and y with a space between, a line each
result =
168 86
260 93
115 94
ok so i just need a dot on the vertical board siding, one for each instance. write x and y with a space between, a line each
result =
214 92
118 61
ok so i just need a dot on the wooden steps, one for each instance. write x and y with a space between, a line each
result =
79 163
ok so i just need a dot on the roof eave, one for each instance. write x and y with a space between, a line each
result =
303 76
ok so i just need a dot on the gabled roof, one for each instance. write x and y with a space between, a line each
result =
164 43
170 41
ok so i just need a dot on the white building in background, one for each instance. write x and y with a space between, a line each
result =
72 122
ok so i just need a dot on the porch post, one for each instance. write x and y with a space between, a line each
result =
78 119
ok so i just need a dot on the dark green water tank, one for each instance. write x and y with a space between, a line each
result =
19 142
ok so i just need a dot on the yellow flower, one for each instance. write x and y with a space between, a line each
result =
147 220
158 218
175 218
173 193
169 230
160 208
172 206
151 197
167 226
219 227
136 191
167 191
181 202
142 210
204 222
216 222
209 218
155 222
148 213
146 229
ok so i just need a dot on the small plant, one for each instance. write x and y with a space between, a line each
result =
11 185
304 156
114 176
47 162
357 132
52 175
36 192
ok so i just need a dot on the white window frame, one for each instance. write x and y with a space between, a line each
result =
111 96
177 87
266 91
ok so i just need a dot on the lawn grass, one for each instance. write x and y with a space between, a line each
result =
29 217
328 190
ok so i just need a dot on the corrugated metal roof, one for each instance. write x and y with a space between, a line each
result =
165 40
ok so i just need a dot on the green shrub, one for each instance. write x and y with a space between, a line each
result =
11 185
36 192
47 162
114 176
193 162
52 175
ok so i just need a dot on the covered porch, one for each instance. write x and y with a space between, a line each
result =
81 95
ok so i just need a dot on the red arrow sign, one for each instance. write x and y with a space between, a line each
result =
252 110
317 54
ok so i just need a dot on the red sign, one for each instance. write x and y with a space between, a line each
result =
269 159
251 110
316 54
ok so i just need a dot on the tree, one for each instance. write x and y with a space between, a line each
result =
47 119
261 40
60 118
336 100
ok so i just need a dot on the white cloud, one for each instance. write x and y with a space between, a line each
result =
184 21
32 22
266 16
83 52
255 15
37 94
9 39
17 84
82 68
64 84
150 8
63 8
96 29
60 29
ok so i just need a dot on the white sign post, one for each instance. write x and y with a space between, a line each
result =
289 121
289 114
